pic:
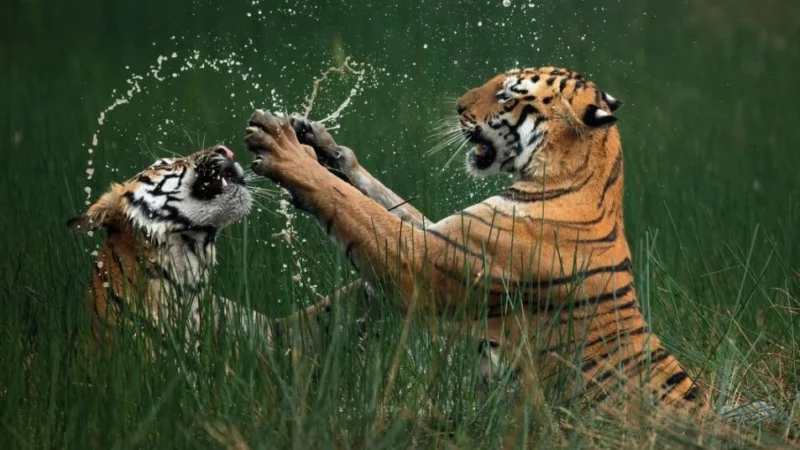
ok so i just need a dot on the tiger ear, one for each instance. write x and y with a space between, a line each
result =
95 217
613 104
596 117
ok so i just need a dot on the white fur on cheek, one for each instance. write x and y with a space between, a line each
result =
531 135
232 204
173 208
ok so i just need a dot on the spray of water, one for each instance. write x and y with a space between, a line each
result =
193 60
173 65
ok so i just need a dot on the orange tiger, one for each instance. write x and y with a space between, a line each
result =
159 247
545 265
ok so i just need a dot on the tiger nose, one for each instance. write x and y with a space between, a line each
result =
461 106
466 101
224 151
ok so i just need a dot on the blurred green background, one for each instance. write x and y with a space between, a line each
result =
709 131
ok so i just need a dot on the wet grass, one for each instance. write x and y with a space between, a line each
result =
711 214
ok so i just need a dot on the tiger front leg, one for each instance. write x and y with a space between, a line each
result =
342 162
339 160
280 157
380 245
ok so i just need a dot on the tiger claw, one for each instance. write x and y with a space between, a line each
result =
264 120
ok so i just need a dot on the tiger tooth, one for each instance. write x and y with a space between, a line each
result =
224 183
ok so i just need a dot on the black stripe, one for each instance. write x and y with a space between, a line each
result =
620 365
509 105
616 336
676 378
633 304
348 253
584 164
509 162
166 213
609 238
453 243
553 222
485 222
159 189
527 110
402 203
562 85
181 177
534 136
655 357
691 394
602 298
145 180
518 195
616 169
671 383
551 307
523 196
624 266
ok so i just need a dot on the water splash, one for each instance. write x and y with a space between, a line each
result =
136 85
346 68
172 65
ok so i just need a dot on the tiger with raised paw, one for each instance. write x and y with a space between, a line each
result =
544 268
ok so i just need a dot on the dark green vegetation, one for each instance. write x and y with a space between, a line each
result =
710 138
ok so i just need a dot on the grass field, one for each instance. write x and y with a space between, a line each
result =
712 213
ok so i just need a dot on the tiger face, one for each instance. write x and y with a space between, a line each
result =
527 122
204 191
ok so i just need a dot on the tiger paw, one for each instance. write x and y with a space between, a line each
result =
338 159
275 145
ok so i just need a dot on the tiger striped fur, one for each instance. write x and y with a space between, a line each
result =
547 254
159 246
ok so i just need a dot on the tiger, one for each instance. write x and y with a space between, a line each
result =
159 248
544 267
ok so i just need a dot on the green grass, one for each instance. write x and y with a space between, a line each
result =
710 140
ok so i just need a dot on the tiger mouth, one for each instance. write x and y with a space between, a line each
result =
216 176
484 153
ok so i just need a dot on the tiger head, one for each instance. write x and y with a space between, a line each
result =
204 191
535 123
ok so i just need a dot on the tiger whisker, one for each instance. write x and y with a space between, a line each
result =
172 153
186 133
455 153
446 119
444 144
264 207
444 134
263 192
445 129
